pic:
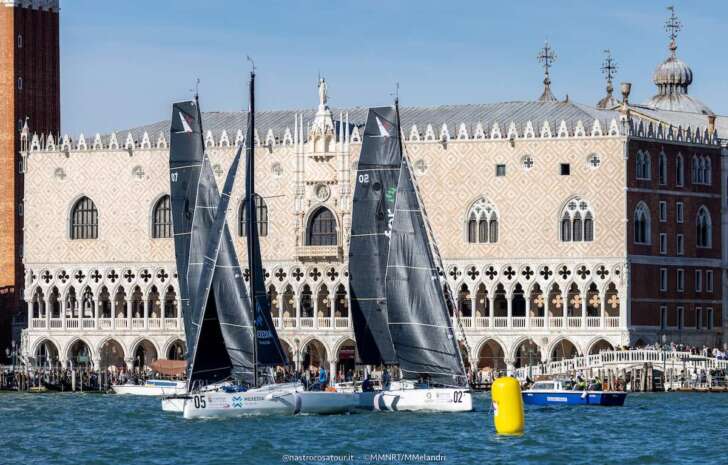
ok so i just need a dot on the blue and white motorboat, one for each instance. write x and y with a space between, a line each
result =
555 392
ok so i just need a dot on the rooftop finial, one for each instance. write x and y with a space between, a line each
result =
673 26
609 69
546 56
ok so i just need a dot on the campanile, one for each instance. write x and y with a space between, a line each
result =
29 93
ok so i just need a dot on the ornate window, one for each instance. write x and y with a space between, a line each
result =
482 222
701 170
261 212
577 221
644 165
593 161
642 224
84 219
527 162
679 170
162 219
321 228
662 168
704 228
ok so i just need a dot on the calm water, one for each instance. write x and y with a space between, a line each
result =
108 429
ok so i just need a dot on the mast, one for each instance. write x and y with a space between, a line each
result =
252 222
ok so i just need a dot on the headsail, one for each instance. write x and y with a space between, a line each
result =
419 323
372 215
269 350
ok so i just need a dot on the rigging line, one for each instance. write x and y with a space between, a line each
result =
194 165
412 323
367 234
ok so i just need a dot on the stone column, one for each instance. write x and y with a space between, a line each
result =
546 310
509 305
97 310
30 313
584 298
180 324
48 311
64 309
332 372
603 310
528 308
128 313
315 298
147 301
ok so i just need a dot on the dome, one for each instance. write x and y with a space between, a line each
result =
673 72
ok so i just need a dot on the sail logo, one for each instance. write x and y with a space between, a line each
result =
264 334
390 222
237 401
383 132
186 127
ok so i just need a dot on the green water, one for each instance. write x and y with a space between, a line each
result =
108 429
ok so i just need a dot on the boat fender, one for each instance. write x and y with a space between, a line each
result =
508 414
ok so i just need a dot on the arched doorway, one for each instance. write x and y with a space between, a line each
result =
500 303
491 356
155 309
79 355
556 304
482 309
88 305
313 355
55 302
537 301
275 309
104 303
111 355
176 350
144 354
289 303
323 307
527 353
46 354
71 303
137 303
345 360
341 306
574 301
600 346
564 349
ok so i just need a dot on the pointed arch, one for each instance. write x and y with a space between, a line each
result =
482 222
704 228
662 168
577 221
322 228
642 224
679 170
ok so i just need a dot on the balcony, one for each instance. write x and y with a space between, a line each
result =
593 322
105 324
318 252
612 322
573 322
341 323
519 321
537 322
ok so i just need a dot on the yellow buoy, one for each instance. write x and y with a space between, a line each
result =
507 406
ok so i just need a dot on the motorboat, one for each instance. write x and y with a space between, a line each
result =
557 392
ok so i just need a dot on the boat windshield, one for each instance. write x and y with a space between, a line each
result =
543 386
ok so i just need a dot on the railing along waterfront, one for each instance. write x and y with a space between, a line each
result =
623 358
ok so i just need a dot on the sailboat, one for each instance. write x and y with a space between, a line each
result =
399 307
230 334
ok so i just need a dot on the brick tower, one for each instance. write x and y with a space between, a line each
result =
29 94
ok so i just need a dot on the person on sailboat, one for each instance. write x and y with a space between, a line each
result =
323 378
386 379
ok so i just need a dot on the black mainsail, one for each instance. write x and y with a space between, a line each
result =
372 214
419 323
268 347
185 160
218 320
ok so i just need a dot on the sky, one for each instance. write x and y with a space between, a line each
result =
123 63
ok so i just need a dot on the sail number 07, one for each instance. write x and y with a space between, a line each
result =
174 177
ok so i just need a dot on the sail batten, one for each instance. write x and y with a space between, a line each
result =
373 206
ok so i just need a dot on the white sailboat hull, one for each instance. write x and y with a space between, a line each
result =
238 404
421 400
151 389
328 403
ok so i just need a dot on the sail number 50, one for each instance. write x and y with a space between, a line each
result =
363 179
199 401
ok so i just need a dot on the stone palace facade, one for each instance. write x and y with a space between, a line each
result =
564 229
